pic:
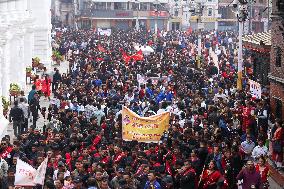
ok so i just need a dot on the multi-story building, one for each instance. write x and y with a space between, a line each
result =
63 12
123 14
183 14
277 59
258 15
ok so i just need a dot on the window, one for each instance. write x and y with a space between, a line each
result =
108 5
120 6
278 108
209 1
144 6
176 12
135 6
100 5
280 5
278 56
210 11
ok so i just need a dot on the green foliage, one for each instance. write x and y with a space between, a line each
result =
14 87
5 103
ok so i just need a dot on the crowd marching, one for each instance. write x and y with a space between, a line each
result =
218 136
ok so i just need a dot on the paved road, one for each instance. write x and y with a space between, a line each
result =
44 102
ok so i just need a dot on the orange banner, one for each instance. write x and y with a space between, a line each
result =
143 129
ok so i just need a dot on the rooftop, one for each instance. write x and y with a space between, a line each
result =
263 38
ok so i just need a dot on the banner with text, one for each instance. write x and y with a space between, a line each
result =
255 89
143 129
25 174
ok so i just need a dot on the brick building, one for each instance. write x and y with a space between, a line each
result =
276 74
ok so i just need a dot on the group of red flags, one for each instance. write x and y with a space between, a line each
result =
138 56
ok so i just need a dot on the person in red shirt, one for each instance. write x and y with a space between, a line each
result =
210 177
46 83
263 169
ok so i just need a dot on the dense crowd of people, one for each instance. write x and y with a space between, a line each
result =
218 137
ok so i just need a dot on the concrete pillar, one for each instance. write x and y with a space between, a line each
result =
2 43
28 46
20 60
5 70
42 33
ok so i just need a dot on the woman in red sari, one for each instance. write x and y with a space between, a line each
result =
46 86
263 169
210 177
277 144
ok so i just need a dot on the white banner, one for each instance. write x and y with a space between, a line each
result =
143 79
106 32
25 174
255 89
40 172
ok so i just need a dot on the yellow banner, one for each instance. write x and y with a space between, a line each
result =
143 129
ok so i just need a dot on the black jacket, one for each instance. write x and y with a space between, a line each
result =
16 114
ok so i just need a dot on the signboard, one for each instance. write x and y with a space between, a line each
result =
200 25
143 129
255 89
158 14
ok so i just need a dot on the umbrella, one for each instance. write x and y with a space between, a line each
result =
146 50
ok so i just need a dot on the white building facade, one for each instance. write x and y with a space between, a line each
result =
123 14
183 14
25 33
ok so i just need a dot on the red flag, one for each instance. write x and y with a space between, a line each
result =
99 59
125 57
101 49
138 56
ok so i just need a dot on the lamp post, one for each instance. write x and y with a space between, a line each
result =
199 12
156 3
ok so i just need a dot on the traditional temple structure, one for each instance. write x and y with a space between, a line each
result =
258 48
25 33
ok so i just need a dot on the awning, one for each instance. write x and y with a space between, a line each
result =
263 39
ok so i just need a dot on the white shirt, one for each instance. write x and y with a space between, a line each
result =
258 151
25 108
67 173
247 147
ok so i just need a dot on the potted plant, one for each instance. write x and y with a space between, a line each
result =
5 105
35 62
56 57
29 70
14 89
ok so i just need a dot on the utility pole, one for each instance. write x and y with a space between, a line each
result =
137 16
242 17
199 27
